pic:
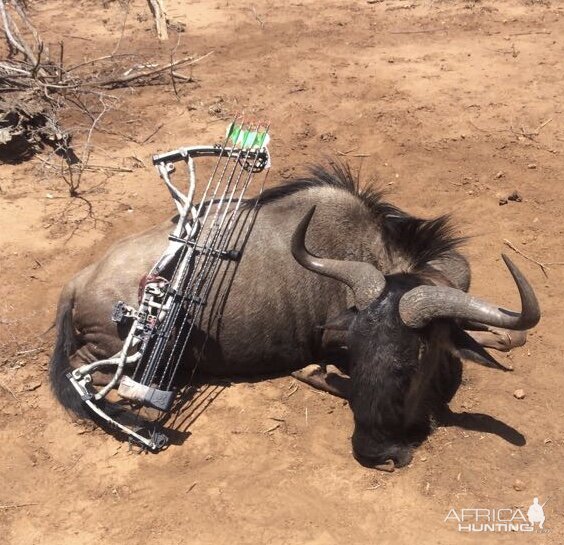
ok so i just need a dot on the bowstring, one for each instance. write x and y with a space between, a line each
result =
186 248
206 256
172 316
222 297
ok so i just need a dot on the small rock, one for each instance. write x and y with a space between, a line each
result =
327 137
499 175
519 393
532 166
519 485
515 197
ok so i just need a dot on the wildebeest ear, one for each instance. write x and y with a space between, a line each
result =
342 321
467 348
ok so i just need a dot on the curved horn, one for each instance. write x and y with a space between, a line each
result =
365 280
424 303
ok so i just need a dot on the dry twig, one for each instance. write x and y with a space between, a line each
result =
544 266
148 75
15 506
257 18
422 31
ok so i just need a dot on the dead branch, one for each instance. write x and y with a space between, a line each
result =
72 180
421 31
159 14
543 125
35 89
90 167
113 56
543 266
157 129
107 168
257 18
527 33
122 28
15 38
150 74
16 506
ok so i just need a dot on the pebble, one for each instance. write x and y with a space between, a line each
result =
499 175
519 393
515 197
532 166
519 485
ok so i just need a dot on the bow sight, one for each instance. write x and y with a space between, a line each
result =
175 290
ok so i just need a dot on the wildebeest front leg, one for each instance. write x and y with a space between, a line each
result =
329 379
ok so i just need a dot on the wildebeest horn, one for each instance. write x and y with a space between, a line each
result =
423 303
365 280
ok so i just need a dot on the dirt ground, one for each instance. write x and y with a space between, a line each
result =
451 105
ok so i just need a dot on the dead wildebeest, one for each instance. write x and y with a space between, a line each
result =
390 288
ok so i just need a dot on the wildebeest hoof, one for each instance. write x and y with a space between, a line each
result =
308 372
388 466
499 339
333 382
334 370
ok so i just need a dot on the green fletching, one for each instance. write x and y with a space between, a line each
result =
245 138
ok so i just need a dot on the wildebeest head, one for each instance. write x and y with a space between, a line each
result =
404 336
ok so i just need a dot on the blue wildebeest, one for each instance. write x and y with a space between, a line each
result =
387 303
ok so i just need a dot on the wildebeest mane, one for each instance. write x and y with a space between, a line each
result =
421 240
